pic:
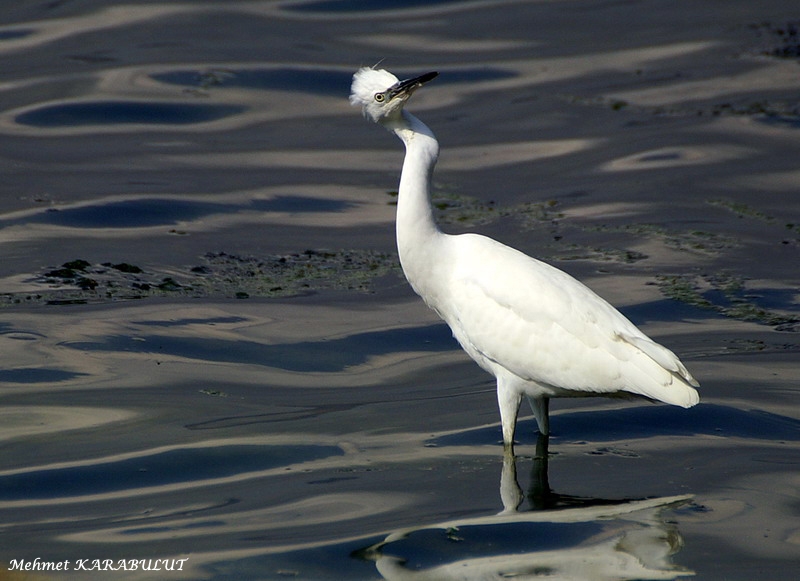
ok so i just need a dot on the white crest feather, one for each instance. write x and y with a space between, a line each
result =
367 82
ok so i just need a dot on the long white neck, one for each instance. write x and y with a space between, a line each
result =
417 233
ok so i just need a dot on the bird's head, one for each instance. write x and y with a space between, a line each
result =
381 94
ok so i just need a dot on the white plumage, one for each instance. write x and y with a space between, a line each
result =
539 331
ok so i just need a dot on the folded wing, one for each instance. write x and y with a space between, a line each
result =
542 325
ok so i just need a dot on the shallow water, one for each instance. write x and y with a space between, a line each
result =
209 352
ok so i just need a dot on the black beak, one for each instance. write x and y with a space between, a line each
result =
408 86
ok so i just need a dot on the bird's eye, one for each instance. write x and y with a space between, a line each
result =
380 97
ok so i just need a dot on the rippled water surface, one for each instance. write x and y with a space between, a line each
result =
208 349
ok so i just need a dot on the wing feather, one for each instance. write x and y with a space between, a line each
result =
544 326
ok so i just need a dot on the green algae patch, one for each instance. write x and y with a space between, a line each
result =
741 209
452 208
727 295
697 242
622 255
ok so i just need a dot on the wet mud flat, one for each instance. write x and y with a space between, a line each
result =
209 354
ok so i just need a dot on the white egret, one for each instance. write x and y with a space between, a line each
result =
539 331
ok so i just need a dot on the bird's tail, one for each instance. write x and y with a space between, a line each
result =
675 386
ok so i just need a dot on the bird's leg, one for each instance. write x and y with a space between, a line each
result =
541 411
539 494
510 492
508 399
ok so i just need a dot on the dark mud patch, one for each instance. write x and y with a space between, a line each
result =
218 275
778 40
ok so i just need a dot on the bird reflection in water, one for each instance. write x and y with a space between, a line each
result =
558 537
540 496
